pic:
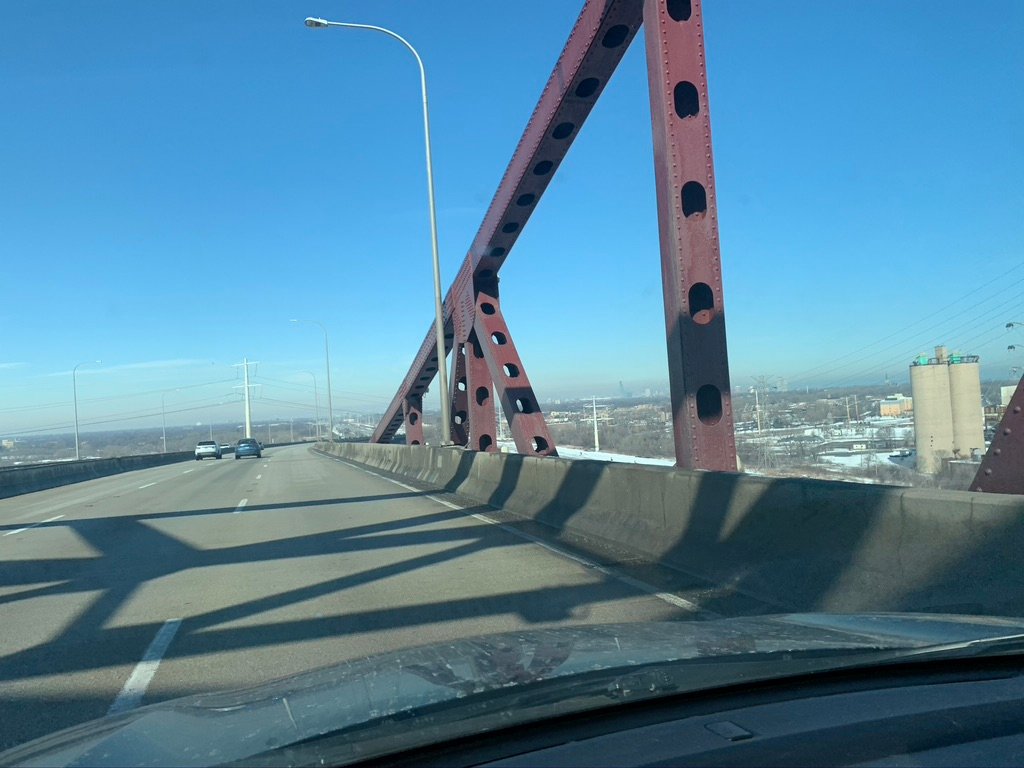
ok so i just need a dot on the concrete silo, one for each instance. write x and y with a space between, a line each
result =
933 411
965 398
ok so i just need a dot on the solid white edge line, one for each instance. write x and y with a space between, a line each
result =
34 525
650 589
241 504
135 686
147 485
187 471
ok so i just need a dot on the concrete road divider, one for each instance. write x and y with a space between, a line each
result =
794 543
15 481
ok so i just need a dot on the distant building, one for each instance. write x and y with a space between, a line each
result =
949 422
1005 393
896 405
7 444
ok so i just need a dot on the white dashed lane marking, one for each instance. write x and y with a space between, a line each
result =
135 686
34 525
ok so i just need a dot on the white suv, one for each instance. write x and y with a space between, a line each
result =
206 448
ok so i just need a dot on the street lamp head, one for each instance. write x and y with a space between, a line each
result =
314 23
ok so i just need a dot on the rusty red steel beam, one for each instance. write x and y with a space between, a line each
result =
691 265
598 41
1000 470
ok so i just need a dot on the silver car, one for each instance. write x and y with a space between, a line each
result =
207 449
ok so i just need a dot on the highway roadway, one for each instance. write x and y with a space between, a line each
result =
210 575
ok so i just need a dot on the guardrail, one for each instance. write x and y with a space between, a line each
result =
800 545
29 478
15 481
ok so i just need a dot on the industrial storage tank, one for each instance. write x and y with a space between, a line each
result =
933 411
968 414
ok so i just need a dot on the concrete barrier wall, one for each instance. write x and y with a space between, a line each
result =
15 481
797 544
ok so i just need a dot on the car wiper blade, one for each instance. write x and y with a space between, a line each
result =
1006 645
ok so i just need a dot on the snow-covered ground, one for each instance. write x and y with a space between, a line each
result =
857 460
508 446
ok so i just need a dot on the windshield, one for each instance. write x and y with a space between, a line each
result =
727 322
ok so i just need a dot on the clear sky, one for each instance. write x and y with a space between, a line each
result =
179 179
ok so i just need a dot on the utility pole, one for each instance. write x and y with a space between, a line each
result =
248 405
597 438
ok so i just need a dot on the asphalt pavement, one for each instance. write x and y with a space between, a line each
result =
210 575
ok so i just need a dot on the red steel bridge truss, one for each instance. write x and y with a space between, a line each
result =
485 358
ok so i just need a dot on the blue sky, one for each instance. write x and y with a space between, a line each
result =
181 178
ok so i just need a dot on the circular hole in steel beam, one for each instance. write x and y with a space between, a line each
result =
486 441
482 395
539 444
709 404
499 338
686 99
498 251
460 417
615 36
486 274
695 199
563 130
543 168
679 10
509 228
587 87
461 385
487 308
525 200
701 301
523 405
413 417
415 442
511 370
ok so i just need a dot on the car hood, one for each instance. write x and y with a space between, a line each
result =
397 700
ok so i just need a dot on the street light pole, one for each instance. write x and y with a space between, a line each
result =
74 395
327 355
442 373
163 420
316 403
